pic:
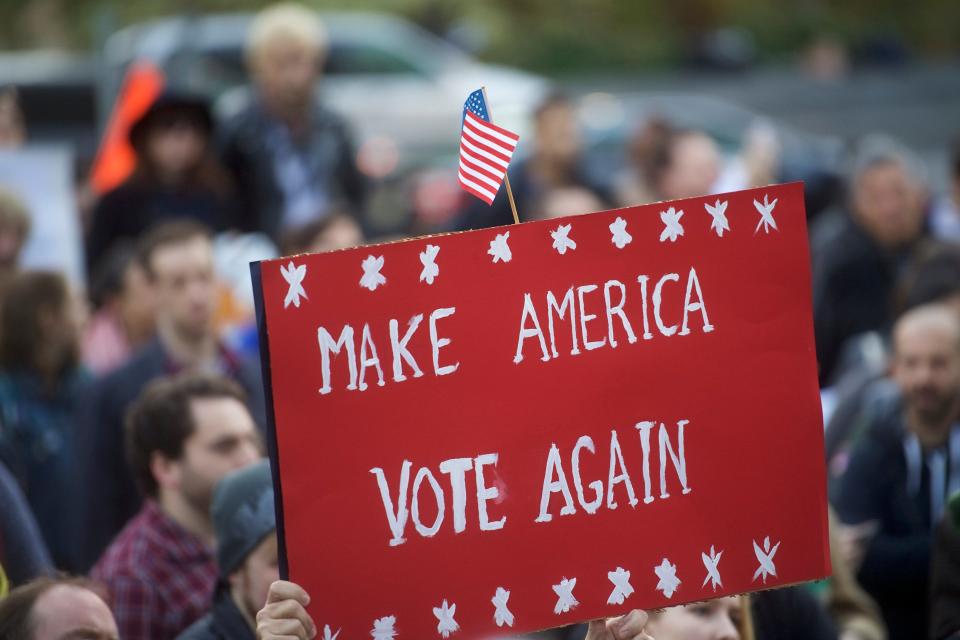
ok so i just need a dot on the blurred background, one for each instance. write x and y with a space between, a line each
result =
330 124
815 74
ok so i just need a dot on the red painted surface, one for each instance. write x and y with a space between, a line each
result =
752 447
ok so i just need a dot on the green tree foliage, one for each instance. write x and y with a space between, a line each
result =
553 35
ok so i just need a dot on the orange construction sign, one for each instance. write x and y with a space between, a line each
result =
116 159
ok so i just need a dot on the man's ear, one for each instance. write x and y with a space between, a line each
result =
165 471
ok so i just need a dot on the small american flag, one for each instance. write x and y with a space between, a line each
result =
485 149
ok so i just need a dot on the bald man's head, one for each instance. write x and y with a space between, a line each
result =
56 609
926 362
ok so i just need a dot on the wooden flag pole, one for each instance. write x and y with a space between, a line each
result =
513 205
506 177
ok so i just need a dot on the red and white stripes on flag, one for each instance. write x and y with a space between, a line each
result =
485 152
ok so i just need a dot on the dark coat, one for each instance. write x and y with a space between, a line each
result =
137 205
245 147
945 580
38 447
853 282
896 565
790 614
107 493
224 622
23 555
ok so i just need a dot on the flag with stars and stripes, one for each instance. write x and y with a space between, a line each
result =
485 149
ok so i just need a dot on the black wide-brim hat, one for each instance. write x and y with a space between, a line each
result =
172 103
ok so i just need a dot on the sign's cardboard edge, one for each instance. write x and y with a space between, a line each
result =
506 227
273 451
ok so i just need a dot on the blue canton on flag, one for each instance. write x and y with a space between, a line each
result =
485 150
476 105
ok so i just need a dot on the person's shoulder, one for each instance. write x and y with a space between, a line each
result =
136 547
121 198
880 440
144 365
236 110
9 387
202 629
838 240
234 103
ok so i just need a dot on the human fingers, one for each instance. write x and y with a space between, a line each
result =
629 626
287 616
283 590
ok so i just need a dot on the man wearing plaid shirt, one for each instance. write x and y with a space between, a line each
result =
183 435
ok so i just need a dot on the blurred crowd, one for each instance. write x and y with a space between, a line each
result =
132 409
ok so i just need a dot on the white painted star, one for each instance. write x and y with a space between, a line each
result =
447 624
499 248
372 278
618 229
765 558
672 229
765 209
383 629
502 615
710 563
294 277
621 586
327 633
565 600
562 240
668 578
428 258
719 212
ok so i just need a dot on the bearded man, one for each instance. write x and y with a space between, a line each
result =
900 475
184 434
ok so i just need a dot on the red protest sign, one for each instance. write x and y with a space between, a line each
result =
524 427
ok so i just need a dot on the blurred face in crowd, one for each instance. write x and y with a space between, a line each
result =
888 203
136 305
66 612
568 201
175 147
714 620
342 233
252 581
224 439
558 136
693 167
926 366
11 244
185 287
285 71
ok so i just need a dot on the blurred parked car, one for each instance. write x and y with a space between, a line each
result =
57 93
401 87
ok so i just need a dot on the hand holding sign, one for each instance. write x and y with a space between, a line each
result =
528 427
285 616
628 627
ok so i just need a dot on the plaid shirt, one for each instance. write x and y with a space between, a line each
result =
160 577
